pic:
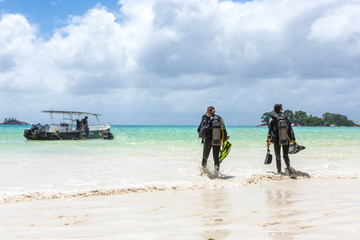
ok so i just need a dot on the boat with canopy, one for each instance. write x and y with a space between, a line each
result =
70 127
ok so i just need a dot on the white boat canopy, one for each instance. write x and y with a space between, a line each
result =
68 115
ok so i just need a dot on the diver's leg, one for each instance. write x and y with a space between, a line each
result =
277 155
286 155
206 151
216 151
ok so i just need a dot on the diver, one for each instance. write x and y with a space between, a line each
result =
78 129
108 135
281 134
212 131
85 126
78 125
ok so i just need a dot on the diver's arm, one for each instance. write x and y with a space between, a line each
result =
268 141
202 120
222 121
226 136
291 132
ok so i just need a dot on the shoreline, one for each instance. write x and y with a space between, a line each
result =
224 181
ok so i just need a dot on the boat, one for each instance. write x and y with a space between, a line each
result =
69 128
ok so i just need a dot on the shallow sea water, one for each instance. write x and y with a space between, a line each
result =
147 158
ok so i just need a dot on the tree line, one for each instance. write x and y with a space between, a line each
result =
13 121
300 118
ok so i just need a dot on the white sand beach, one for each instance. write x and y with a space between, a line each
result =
273 209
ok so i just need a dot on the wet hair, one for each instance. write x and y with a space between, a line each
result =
210 109
277 107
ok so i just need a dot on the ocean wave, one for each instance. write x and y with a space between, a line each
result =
222 181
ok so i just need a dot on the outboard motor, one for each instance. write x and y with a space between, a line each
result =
37 131
43 128
35 127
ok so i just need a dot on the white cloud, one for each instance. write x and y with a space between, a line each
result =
340 25
176 57
16 40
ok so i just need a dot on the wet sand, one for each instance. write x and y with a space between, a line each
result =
280 210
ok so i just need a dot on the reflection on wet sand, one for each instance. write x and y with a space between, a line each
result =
281 210
216 217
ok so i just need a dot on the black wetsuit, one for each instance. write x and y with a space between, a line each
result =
78 129
207 143
273 134
84 122
108 135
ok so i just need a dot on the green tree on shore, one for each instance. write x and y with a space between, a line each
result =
313 121
302 119
265 118
336 119
299 118
13 121
290 114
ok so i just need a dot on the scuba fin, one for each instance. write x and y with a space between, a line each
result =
268 158
294 148
225 151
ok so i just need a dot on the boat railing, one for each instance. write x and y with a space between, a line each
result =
99 127
62 128
72 128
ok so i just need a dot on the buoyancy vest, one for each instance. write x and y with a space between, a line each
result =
216 126
283 129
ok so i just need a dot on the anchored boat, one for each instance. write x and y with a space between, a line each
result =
71 127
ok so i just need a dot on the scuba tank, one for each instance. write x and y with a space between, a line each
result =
283 130
216 131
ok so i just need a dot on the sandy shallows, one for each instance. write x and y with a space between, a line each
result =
279 210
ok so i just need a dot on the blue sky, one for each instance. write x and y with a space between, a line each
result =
49 15
165 61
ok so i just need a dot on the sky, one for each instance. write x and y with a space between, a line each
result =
163 62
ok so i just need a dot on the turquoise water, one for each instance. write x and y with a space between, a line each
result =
11 137
162 156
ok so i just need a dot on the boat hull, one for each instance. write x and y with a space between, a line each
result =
35 135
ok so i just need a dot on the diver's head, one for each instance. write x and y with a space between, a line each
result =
278 108
210 110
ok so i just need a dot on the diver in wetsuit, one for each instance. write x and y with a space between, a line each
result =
108 135
85 126
78 129
274 136
206 122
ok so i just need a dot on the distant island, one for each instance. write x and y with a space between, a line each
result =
300 118
13 121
